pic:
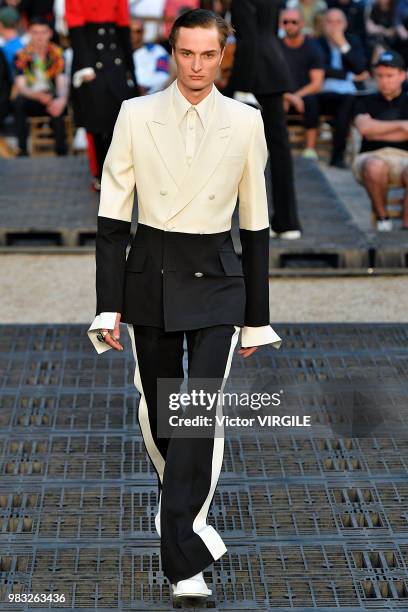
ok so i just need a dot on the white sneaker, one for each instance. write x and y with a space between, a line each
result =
291 235
310 154
384 225
288 235
191 587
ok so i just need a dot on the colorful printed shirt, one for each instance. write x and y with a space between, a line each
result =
40 75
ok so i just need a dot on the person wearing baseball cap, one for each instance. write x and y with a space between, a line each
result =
390 59
9 20
382 120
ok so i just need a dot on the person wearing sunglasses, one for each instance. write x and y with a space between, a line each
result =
305 61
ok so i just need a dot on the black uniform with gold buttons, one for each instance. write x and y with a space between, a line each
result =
100 38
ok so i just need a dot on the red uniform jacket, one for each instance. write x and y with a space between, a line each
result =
80 12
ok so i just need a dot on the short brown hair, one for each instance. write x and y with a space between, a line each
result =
200 18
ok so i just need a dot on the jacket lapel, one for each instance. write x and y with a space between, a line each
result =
166 135
210 152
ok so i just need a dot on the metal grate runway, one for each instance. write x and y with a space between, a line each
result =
311 523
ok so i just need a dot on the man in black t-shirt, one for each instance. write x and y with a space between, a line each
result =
382 120
305 62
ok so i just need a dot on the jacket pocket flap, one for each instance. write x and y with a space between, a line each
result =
136 259
231 264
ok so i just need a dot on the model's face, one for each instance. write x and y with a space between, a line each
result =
389 80
292 23
198 56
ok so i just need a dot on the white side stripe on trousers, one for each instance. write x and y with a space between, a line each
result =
207 533
154 453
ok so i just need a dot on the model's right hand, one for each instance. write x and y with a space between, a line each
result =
113 342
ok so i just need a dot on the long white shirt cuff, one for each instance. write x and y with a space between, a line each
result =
78 76
257 336
104 320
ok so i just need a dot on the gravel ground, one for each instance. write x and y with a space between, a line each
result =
61 289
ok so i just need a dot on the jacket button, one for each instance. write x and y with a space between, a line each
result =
211 197
100 46
101 31
118 60
163 192
198 274
113 45
99 64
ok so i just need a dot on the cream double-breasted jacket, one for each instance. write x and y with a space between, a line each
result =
181 271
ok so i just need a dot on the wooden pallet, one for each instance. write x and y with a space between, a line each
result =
42 135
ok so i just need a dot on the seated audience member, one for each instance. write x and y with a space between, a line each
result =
382 120
42 86
151 60
5 88
172 10
143 9
344 59
305 62
401 25
311 11
9 19
355 13
381 31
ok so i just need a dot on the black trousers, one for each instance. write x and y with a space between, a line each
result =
187 468
25 107
341 107
311 114
284 215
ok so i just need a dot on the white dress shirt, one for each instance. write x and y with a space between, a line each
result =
193 120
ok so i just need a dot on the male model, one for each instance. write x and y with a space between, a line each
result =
260 67
189 151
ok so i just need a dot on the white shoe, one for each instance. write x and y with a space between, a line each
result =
310 154
291 234
288 235
384 225
191 587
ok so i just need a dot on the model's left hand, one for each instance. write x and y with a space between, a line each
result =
247 352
